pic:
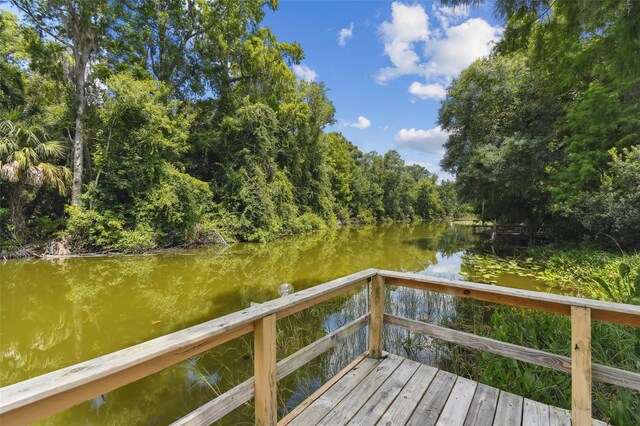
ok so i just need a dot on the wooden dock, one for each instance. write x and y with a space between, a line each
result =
397 391
376 389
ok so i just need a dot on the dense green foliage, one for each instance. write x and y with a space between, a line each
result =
612 345
582 271
181 122
547 129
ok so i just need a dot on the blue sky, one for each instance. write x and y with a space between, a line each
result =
386 65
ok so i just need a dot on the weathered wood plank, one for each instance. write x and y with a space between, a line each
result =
559 416
233 398
42 396
323 297
580 365
404 404
601 311
483 406
457 406
291 363
535 413
599 372
509 410
65 388
321 390
266 391
429 408
376 406
336 393
219 407
342 412
377 317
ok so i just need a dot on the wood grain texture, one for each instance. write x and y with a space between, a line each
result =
509 410
42 396
342 412
431 404
234 398
377 317
321 390
407 401
376 406
456 408
336 393
483 407
599 372
580 365
266 391
601 311
559 416
219 407
535 413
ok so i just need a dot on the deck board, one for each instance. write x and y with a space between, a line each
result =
483 407
342 412
407 401
397 391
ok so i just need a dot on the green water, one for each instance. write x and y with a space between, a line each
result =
58 313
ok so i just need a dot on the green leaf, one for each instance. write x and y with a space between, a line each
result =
624 269
604 286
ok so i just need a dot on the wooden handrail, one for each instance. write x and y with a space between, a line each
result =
619 313
234 398
602 373
51 393
37 398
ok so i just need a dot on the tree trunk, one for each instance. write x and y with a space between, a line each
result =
15 210
78 139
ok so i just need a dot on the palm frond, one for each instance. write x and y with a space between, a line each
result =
50 150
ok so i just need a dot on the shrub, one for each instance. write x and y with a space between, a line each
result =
309 222
92 230
366 217
175 206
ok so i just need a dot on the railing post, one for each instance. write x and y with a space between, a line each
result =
580 366
377 316
265 370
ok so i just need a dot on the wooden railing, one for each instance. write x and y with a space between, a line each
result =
42 396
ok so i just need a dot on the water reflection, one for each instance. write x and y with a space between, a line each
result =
55 314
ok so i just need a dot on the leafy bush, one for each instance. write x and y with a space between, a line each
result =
615 208
366 217
309 222
136 241
175 205
92 230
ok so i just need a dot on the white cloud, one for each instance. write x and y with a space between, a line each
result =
361 123
437 55
409 24
345 34
430 140
303 72
460 46
447 14
428 91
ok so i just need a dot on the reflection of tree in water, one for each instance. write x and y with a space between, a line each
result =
91 306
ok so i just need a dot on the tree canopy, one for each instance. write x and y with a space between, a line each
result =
181 122
539 129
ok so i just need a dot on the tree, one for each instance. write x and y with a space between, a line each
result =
501 117
25 155
81 27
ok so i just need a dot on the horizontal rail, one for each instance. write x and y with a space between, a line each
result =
37 398
234 398
601 311
614 376
42 396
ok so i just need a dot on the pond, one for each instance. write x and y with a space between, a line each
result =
55 313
